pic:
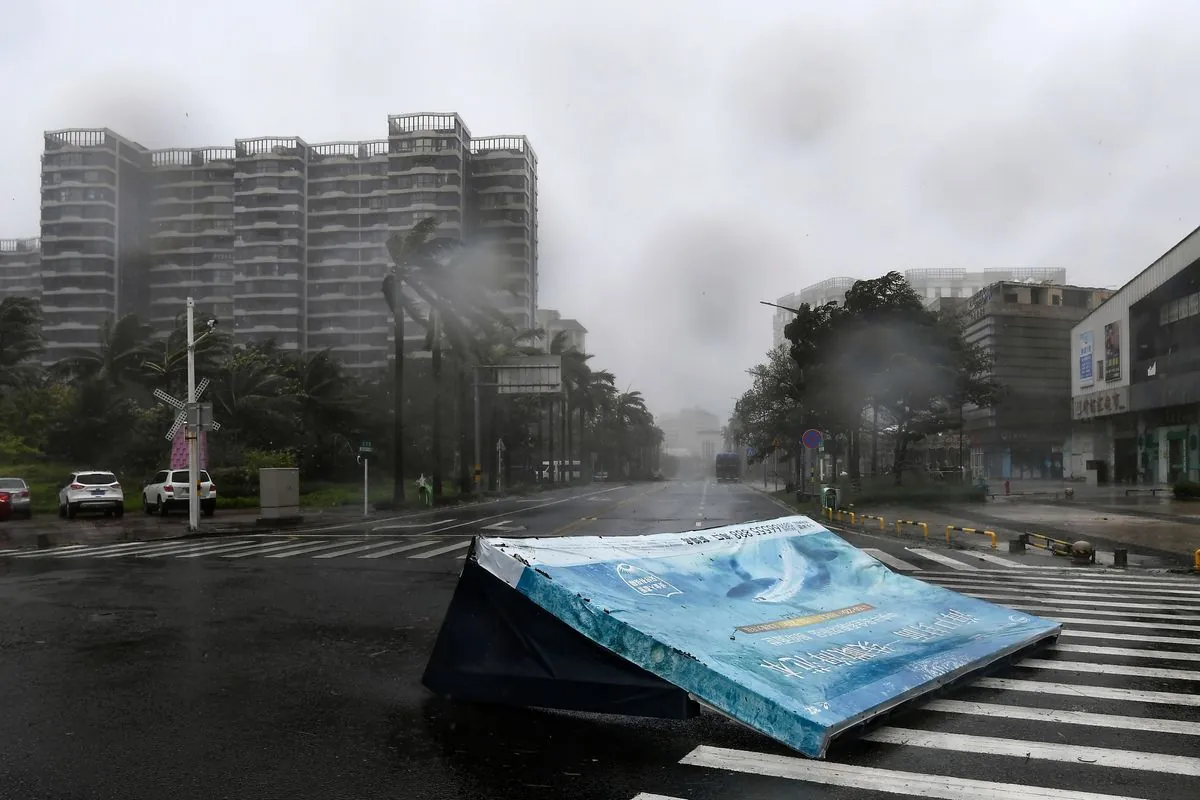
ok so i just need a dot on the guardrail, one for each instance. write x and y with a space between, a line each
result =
864 517
1153 492
916 524
1058 547
990 534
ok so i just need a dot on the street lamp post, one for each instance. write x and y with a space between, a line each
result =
193 422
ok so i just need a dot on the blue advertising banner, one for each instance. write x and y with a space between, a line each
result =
781 624
1087 359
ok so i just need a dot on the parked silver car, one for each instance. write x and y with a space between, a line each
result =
18 492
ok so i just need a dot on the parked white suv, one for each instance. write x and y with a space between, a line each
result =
169 489
91 490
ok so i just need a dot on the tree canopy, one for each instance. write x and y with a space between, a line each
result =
880 361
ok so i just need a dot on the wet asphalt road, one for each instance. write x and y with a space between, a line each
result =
289 667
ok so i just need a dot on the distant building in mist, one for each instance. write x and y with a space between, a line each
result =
284 239
692 429
20 268
930 284
1025 328
554 325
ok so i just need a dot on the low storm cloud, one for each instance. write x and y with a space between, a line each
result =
694 158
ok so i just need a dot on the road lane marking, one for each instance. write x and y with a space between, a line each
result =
876 779
1058 717
1111 669
400 549
941 559
1084 690
356 549
582 521
260 550
53 551
991 559
1039 751
439 551
228 547
1123 622
1129 637
145 547
890 560
1127 652
1075 576
200 549
521 510
1089 603
1049 589
311 548
88 551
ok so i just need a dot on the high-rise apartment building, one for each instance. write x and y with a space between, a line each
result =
20 268
94 220
554 325
284 239
191 234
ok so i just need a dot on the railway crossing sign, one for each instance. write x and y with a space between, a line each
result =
199 415
181 418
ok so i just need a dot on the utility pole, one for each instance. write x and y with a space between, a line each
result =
193 423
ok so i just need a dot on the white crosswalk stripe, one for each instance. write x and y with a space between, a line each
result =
374 548
1114 705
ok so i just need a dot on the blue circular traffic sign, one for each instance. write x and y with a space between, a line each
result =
812 439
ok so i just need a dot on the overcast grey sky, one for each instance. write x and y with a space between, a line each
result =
695 157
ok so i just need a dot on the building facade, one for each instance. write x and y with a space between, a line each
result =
1025 329
1135 393
555 325
284 239
21 268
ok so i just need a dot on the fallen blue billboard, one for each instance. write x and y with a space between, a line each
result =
780 624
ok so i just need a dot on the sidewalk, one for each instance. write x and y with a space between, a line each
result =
1149 541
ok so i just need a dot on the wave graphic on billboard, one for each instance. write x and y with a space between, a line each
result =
781 624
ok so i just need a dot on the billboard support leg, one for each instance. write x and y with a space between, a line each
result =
497 646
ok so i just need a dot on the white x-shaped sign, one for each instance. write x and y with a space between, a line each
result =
181 417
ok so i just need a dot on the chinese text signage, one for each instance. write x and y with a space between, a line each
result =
1100 404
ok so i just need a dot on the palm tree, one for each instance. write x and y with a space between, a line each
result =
117 361
165 366
251 399
406 253
20 338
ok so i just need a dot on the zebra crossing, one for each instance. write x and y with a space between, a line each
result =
910 559
374 548
1111 712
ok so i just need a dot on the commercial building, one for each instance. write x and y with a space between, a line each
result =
1025 329
285 239
571 333
20 268
1135 388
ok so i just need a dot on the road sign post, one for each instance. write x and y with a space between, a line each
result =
364 451
500 465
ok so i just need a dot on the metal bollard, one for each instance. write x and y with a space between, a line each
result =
1120 557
